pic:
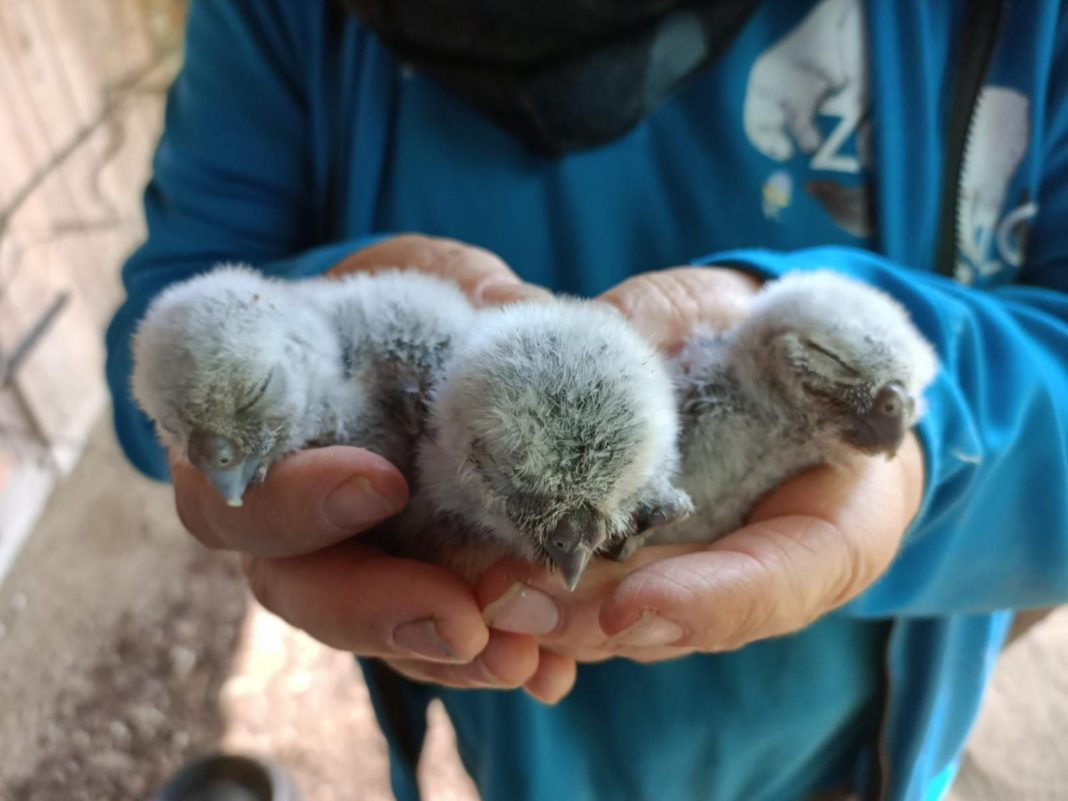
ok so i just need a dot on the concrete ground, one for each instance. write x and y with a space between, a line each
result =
126 649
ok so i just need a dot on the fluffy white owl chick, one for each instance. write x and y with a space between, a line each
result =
822 367
236 372
555 432
237 369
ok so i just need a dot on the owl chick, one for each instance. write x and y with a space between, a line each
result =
554 433
237 370
822 367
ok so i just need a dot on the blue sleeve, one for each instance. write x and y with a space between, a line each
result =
231 180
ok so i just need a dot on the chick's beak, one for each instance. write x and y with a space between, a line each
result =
573 543
232 482
883 428
571 563
228 469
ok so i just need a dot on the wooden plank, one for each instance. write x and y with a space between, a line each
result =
82 36
74 156
109 171
155 27
50 114
83 232
26 476
61 382
61 379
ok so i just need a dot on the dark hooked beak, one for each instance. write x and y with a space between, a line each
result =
228 469
882 429
570 563
573 543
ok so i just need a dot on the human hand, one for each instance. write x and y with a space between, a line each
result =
481 275
303 562
809 547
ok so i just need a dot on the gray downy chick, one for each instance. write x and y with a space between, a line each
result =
237 369
553 436
822 368
397 330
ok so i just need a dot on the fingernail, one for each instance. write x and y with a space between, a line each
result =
510 292
651 629
355 503
523 610
421 638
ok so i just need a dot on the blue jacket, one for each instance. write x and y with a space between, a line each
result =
907 144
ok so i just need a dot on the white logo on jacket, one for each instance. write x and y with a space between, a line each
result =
820 68
997 144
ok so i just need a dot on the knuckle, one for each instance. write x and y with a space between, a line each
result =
620 301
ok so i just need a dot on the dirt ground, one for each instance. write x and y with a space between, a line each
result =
126 649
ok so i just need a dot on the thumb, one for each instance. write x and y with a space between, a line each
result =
766 579
810 546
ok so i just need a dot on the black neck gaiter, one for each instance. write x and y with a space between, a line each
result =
564 75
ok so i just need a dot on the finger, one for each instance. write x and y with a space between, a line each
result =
666 306
480 274
357 599
507 662
308 501
554 678
525 598
814 544
764 580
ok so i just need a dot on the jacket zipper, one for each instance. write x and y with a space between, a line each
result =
975 49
